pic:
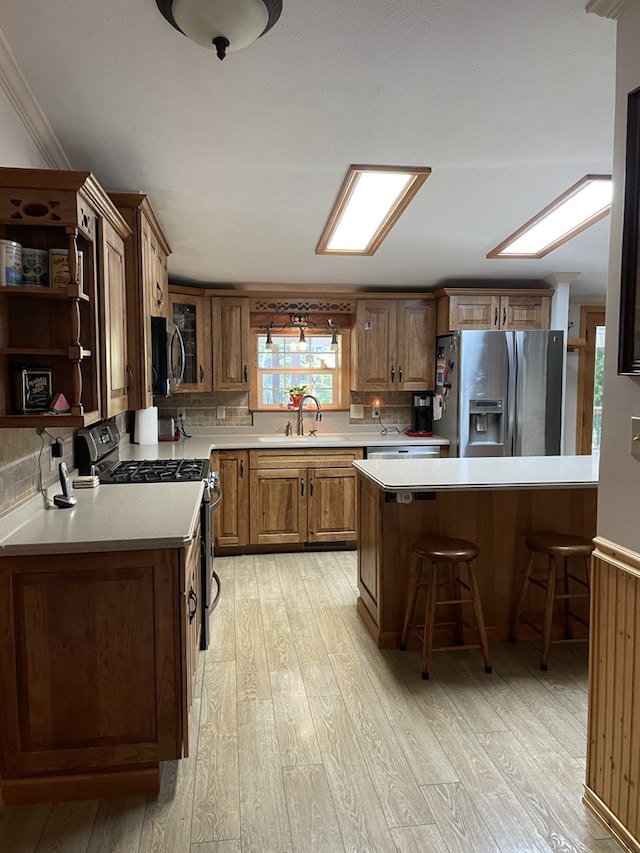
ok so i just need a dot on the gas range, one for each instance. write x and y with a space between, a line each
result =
97 452
156 471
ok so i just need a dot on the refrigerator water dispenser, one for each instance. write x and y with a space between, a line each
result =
486 424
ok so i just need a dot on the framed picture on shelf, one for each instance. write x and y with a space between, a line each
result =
33 390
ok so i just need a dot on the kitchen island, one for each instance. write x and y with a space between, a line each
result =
494 502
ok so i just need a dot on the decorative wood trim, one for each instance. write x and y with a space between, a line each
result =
607 8
616 555
29 112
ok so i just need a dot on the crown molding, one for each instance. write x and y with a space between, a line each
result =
23 100
607 8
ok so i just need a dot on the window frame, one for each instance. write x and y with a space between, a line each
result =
344 371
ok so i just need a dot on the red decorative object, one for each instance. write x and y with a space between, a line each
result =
295 400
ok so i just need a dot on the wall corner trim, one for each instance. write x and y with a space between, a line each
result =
23 100
607 8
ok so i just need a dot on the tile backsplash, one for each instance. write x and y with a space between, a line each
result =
201 410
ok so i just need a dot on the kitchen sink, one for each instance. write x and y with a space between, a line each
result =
325 438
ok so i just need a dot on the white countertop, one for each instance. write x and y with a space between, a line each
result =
521 472
200 445
135 516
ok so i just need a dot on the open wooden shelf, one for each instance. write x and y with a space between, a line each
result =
48 419
41 293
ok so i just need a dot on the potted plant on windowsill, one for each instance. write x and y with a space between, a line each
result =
296 393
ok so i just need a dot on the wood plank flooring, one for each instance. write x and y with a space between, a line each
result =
308 739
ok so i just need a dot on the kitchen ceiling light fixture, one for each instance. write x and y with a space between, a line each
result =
221 25
370 202
586 202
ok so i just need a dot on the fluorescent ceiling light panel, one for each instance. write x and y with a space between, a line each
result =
579 207
369 203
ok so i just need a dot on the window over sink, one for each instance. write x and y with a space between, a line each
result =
289 362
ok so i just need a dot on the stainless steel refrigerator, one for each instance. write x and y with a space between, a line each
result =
501 392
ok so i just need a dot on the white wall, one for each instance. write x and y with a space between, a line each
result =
16 146
619 492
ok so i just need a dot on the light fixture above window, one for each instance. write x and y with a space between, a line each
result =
302 323
370 202
580 206
221 25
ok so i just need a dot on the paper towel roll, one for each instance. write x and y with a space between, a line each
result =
146 426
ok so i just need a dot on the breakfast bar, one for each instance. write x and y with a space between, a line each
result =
494 502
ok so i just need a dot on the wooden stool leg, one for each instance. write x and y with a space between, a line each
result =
455 579
548 613
521 598
429 619
477 609
568 628
415 568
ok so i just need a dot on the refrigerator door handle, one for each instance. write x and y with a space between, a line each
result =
512 381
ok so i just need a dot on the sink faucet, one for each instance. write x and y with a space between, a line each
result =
300 412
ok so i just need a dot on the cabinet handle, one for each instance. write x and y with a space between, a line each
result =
129 378
201 373
504 316
393 373
400 373
245 373
495 317
160 295
311 487
242 468
192 599
301 486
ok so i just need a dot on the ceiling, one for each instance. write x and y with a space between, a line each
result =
509 102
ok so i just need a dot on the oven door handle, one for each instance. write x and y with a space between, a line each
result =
216 499
216 578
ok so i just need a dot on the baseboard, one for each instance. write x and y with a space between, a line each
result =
605 816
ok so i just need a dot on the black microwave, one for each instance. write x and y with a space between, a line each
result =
167 356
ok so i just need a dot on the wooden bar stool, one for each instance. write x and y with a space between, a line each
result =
554 546
435 566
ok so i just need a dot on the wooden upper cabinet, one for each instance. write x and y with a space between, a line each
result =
190 312
113 299
230 332
147 250
394 345
493 310
76 329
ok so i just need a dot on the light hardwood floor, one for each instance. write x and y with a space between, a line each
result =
308 739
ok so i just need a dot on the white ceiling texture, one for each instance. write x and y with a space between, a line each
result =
510 102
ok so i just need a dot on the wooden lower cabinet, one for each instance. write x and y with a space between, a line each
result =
232 515
97 665
302 496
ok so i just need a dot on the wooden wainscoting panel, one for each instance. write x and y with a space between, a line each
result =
613 759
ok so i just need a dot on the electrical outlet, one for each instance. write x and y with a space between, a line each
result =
56 449
375 412
356 411
221 413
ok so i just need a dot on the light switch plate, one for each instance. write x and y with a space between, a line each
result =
221 413
634 448
356 411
